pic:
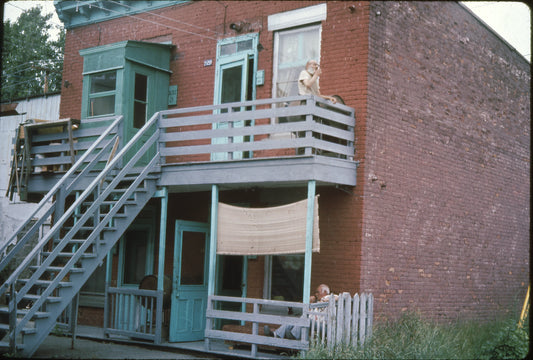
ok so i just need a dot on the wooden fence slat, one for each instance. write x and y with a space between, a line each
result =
355 320
370 315
362 319
340 320
347 300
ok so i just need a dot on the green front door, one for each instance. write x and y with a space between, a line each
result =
189 290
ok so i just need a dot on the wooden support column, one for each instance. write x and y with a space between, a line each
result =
311 190
244 285
108 277
213 241
162 238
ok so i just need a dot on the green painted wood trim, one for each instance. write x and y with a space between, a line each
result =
81 13
311 190
245 283
162 238
213 244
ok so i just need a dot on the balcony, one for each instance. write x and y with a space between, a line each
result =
270 142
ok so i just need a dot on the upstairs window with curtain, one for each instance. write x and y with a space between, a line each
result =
292 50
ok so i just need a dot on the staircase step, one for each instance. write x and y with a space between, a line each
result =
132 177
117 215
140 189
37 315
46 282
26 330
110 203
104 214
58 269
4 346
69 254
34 297
91 228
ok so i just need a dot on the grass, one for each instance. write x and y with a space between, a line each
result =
412 337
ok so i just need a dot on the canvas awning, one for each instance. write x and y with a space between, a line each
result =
265 231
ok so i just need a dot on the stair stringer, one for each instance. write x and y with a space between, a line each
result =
110 238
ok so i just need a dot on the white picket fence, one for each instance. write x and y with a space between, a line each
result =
346 321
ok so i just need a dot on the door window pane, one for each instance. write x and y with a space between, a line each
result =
192 258
231 84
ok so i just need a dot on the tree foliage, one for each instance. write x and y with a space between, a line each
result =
32 62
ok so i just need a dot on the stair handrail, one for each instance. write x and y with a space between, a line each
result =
94 184
13 239
59 223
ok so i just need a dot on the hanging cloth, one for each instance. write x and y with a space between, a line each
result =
265 231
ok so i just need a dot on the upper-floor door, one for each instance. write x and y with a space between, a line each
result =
234 83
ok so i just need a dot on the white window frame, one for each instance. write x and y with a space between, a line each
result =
275 63
298 17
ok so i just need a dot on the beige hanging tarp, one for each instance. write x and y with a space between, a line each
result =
265 231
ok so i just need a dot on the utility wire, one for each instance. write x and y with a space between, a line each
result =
167 18
156 23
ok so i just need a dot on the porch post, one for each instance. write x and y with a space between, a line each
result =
311 190
213 242
108 277
162 239
244 284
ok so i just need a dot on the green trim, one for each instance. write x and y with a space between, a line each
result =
148 65
311 190
213 239
162 238
80 13
92 72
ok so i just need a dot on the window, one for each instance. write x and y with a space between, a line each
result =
139 101
102 93
292 49
136 255
287 277
92 292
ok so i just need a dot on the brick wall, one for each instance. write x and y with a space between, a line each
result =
446 212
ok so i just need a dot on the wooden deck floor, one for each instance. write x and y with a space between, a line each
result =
217 347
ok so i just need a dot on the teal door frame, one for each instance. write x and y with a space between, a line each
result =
189 297
242 53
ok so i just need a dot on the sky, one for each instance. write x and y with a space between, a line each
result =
511 20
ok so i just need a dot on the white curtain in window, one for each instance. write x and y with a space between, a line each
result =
265 231
293 48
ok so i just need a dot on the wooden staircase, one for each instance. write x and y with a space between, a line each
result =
52 274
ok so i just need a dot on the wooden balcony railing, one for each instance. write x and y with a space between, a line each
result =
295 126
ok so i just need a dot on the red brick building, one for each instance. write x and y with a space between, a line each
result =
436 218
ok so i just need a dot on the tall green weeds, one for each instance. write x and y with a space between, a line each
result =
412 337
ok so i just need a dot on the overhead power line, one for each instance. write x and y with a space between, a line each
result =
156 23
167 18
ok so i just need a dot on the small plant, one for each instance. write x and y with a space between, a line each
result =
510 342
